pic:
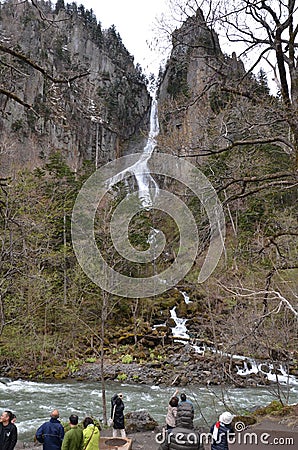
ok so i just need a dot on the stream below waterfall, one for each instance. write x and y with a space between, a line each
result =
33 401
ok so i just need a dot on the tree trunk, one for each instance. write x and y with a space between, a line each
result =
104 315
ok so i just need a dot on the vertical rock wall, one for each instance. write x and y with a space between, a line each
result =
94 105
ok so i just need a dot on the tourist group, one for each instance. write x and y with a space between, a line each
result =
178 433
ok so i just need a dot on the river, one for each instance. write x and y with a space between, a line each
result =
32 401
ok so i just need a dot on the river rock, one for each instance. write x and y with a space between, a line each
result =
141 420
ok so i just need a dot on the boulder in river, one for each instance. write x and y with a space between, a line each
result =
141 420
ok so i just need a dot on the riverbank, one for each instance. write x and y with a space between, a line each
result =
183 364
184 367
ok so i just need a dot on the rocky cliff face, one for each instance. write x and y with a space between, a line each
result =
73 88
190 86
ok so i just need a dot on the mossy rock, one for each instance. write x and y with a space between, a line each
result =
61 375
286 411
273 407
127 338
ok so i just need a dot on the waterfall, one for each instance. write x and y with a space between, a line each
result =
142 174
186 297
141 194
180 330
140 170
250 365
272 373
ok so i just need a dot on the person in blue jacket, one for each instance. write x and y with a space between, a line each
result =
51 433
221 431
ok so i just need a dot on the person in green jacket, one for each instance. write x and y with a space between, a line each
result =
91 435
73 439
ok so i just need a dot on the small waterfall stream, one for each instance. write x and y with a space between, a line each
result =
249 365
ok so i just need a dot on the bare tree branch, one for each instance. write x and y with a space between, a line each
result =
40 69
15 98
272 295
267 140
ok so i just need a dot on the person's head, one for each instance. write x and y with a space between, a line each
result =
87 421
226 418
73 419
120 395
118 401
6 417
13 418
55 414
183 397
173 402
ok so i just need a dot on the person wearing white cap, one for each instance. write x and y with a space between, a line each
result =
221 431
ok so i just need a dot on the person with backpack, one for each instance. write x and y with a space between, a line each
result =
183 436
91 435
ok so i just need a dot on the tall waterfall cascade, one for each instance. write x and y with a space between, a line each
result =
140 170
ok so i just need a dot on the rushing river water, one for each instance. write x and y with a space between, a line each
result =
33 401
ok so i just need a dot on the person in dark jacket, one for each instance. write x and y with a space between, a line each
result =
184 399
8 431
51 433
185 411
183 436
221 431
117 415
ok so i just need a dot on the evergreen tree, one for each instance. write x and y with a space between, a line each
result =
263 82
59 5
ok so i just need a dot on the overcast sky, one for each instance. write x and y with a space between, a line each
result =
135 21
